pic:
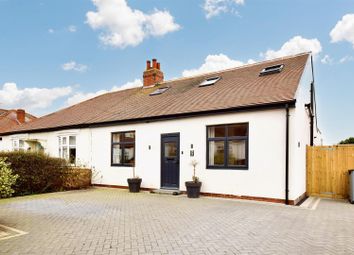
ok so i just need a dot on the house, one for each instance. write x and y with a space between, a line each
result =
10 119
247 127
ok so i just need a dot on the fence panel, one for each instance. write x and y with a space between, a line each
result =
327 170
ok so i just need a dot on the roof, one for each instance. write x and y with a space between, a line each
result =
9 122
238 87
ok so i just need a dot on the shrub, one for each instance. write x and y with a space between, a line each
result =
7 179
37 172
77 178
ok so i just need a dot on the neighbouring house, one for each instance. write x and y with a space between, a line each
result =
11 119
248 128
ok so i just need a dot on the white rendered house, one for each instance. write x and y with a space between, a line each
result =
247 128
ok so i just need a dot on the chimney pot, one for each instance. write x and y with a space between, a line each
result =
21 115
152 75
154 63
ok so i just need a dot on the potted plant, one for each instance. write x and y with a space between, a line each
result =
134 183
193 187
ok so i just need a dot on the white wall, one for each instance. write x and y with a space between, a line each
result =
264 178
50 142
300 135
2 146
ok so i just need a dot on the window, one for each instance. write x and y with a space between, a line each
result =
227 146
209 81
271 70
123 149
67 148
159 91
18 145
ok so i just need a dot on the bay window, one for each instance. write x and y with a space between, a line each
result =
67 148
18 145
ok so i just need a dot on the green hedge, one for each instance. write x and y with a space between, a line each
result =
37 172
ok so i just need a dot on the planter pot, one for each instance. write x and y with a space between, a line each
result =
193 189
134 184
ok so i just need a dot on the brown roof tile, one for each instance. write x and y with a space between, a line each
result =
238 87
9 122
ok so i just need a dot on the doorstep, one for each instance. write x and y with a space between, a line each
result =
173 192
311 203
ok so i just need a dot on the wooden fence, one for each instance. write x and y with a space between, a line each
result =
327 170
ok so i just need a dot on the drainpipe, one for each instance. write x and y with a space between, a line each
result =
312 95
287 155
311 115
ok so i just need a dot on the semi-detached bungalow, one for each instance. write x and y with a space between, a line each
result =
247 127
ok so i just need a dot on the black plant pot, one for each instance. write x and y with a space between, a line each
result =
134 184
193 189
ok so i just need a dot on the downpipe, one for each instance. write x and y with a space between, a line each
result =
287 155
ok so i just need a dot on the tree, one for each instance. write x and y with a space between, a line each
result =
350 140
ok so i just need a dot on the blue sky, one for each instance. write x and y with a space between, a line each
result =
57 52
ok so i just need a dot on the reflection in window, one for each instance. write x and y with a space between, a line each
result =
170 149
216 153
67 148
227 146
18 145
123 148
237 153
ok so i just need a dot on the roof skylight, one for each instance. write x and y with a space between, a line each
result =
209 81
159 91
272 69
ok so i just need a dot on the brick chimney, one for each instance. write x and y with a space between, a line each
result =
21 116
152 74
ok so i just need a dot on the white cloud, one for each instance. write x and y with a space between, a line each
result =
295 45
72 28
215 63
326 60
123 26
346 59
215 7
344 30
131 84
80 96
30 98
50 30
73 66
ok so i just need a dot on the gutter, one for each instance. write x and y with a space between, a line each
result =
258 107
287 155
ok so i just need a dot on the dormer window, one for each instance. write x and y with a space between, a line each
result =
272 69
209 81
159 91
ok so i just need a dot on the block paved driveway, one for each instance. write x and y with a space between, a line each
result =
112 221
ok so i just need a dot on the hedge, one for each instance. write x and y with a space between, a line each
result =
7 179
39 173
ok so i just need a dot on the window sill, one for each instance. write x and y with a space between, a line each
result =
121 165
242 168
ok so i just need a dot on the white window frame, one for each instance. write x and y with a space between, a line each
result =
18 144
67 146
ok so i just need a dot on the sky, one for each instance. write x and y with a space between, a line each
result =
56 53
